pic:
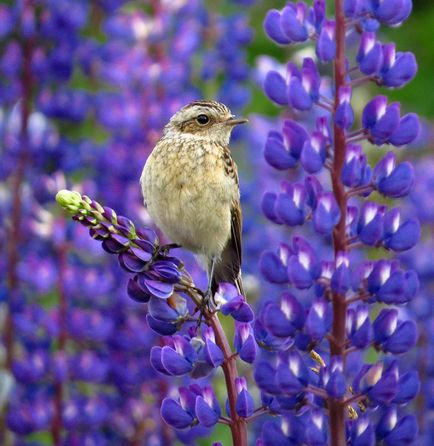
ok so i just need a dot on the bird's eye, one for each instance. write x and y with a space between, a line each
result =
202 119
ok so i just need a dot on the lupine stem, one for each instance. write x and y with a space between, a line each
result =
237 424
336 409
14 236
57 426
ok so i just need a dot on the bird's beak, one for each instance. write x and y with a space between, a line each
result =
236 121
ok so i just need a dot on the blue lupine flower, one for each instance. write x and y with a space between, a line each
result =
393 180
244 404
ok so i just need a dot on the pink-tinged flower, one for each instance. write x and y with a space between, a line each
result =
244 342
326 42
244 404
230 302
207 408
179 414
303 86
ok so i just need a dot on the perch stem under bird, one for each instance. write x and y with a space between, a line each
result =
191 190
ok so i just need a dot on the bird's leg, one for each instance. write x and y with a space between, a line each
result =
211 268
208 295
164 249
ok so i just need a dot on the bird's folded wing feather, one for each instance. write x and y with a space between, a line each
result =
229 267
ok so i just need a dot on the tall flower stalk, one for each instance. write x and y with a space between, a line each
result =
326 324
157 279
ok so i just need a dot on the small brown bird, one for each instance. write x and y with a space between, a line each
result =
190 187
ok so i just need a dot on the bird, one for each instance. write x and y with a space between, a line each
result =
191 189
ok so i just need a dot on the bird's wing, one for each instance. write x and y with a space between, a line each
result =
228 269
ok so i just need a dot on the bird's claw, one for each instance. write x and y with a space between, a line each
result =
204 306
164 249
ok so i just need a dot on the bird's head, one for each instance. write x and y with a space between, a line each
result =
208 120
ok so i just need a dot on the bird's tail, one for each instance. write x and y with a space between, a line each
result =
223 273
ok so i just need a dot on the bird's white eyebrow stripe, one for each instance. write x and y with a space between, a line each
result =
208 104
